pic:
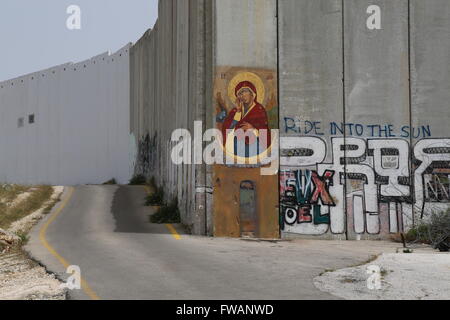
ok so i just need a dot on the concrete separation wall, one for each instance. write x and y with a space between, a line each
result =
359 91
245 202
67 125
311 95
364 97
169 88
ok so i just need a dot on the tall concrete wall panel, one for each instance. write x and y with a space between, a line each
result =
430 99
311 97
80 130
376 62
359 90
245 33
168 90
245 58
364 97
377 107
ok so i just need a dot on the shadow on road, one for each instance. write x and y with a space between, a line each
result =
130 213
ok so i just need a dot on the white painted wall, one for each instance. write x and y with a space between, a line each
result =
81 129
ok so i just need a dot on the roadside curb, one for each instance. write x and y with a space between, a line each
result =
33 246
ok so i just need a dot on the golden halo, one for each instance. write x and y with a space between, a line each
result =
246 76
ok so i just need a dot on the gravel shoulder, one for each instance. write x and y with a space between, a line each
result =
21 278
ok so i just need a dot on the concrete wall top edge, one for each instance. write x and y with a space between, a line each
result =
147 35
34 74
20 79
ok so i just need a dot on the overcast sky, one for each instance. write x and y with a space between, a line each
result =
34 36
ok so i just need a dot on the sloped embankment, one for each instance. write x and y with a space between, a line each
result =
21 278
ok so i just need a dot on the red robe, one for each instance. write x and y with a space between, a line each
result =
257 117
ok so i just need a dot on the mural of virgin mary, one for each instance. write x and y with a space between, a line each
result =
248 120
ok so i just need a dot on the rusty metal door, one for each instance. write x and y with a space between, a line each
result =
248 210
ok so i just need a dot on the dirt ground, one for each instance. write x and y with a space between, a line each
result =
422 275
20 277
23 279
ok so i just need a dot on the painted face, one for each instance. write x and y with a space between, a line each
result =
246 96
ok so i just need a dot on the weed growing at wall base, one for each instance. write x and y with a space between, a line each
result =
156 198
435 231
167 214
138 180
110 182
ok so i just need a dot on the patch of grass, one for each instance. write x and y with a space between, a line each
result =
38 197
167 214
3 208
418 234
156 198
24 238
138 180
51 205
8 192
110 182
435 231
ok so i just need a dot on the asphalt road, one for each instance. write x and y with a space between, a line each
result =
105 230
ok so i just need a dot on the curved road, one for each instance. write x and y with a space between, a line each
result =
105 230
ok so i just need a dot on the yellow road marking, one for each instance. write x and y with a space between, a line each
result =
170 227
173 231
42 236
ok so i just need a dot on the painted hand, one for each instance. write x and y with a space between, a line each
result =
247 126
239 105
